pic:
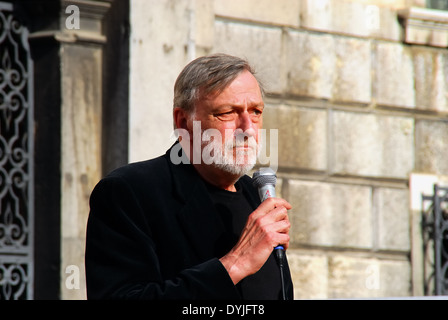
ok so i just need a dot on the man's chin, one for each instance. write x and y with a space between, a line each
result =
235 169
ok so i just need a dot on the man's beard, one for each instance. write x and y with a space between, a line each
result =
229 157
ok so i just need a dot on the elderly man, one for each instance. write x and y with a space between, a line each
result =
195 228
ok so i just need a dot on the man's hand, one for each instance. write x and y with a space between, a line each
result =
267 227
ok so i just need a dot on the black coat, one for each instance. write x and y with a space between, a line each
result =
151 234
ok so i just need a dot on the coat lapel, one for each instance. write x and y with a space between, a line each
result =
198 216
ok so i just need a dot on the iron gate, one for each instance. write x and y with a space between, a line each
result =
16 159
435 241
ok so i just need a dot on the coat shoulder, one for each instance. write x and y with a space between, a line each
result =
155 170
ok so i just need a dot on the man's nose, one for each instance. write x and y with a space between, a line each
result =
245 123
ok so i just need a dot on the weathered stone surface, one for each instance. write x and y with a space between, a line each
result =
311 64
372 145
81 134
358 18
352 80
302 135
260 45
73 285
392 209
431 79
309 273
81 129
356 277
330 214
204 30
158 42
328 67
431 146
394 75
318 275
282 12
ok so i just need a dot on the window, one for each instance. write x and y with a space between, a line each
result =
437 4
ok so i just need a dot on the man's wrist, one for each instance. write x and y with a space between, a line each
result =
229 262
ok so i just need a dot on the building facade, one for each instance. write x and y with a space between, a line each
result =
356 89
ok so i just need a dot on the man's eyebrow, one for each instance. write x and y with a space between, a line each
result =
224 106
251 104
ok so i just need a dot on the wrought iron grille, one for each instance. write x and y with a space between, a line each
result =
16 159
435 241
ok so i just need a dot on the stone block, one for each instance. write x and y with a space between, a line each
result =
393 75
431 79
338 17
387 26
358 18
349 277
392 209
359 277
328 67
204 26
431 147
327 214
309 273
281 12
260 45
395 278
372 145
311 64
302 136
352 81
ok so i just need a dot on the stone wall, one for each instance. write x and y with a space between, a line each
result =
359 106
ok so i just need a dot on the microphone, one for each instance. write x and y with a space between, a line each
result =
264 180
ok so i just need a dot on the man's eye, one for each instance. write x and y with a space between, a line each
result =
225 115
257 112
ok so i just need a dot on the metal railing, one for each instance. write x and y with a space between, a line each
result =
435 241
16 159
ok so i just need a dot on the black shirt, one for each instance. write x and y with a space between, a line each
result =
234 208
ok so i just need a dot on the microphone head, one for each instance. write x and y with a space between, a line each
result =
263 177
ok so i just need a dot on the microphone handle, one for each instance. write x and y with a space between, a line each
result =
268 191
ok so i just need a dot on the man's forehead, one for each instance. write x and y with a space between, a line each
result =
243 89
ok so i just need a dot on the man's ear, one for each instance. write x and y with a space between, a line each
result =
180 118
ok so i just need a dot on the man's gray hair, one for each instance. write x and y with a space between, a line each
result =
206 75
